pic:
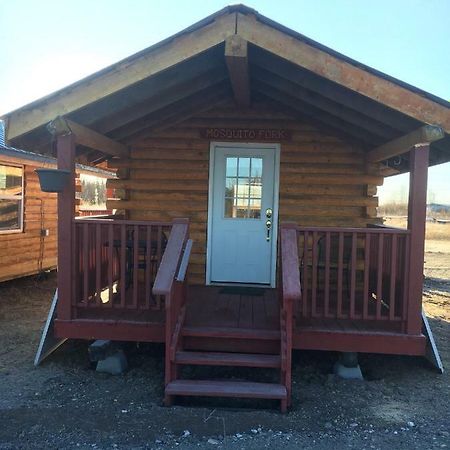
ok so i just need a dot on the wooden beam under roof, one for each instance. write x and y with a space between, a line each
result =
342 72
87 137
118 76
323 117
423 135
322 103
236 57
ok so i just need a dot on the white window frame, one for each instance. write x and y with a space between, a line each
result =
11 197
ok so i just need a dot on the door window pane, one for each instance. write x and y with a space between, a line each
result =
231 167
243 187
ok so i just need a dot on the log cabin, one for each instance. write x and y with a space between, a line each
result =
248 158
28 216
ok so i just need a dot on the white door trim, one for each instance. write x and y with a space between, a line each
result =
244 145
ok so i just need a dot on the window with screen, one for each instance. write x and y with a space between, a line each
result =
11 198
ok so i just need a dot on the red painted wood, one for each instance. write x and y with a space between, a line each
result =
227 359
304 291
86 268
65 148
315 241
110 264
417 204
148 267
359 341
379 275
393 277
366 277
113 329
327 272
340 269
231 333
353 276
135 236
122 265
171 258
98 263
206 388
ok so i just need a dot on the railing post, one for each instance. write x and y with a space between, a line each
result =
65 146
417 206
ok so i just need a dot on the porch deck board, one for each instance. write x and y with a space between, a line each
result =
212 306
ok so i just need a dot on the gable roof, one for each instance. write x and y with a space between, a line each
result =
187 73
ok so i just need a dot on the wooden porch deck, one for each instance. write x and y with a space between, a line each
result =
238 311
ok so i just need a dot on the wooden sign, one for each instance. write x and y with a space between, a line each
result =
246 134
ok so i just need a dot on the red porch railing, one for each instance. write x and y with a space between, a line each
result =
355 274
290 295
171 284
115 264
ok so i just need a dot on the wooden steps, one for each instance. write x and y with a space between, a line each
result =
195 345
228 359
231 333
241 389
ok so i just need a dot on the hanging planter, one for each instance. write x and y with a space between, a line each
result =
53 180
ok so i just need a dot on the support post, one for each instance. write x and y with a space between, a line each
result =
417 207
65 146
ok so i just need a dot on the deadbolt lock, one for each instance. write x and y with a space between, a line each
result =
269 213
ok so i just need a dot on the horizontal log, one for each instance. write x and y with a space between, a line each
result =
157 185
332 179
320 211
331 169
156 205
330 201
170 153
160 164
169 196
146 174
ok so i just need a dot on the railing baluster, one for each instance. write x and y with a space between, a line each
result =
366 277
314 275
380 275
110 264
158 260
86 264
405 296
135 265
123 265
98 263
305 283
148 266
392 296
340 267
353 276
327 273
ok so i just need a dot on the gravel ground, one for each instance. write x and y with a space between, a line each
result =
65 404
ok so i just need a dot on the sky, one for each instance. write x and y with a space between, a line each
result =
48 44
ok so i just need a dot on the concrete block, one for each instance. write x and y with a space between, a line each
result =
115 364
348 373
99 349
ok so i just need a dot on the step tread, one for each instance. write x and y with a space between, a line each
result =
228 359
229 332
213 388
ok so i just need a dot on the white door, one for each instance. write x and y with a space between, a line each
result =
242 227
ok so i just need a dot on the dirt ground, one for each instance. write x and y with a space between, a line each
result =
402 403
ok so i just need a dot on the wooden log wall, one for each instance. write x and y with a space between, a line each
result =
323 180
28 252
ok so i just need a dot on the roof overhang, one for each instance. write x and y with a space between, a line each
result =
237 53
